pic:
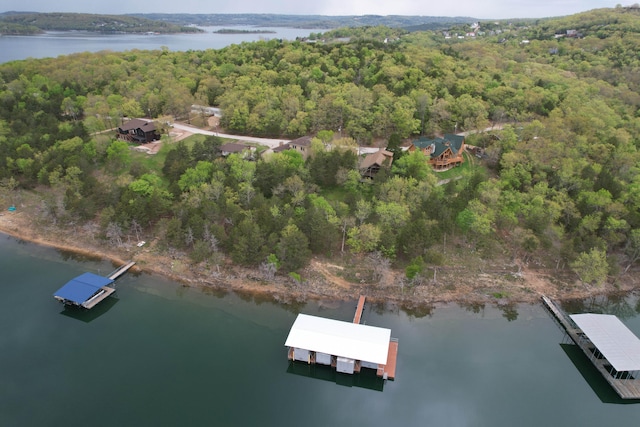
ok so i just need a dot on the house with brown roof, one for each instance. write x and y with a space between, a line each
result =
284 146
443 153
138 131
302 145
374 162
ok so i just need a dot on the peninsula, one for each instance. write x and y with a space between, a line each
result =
21 23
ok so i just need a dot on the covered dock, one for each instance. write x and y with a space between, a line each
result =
86 290
612 341
346 346
89 289
610 346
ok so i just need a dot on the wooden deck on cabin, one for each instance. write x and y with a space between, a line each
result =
359 309
105 291
626 388
389 370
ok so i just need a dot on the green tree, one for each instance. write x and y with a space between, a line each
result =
293 248
194 177
118 156
592 266
412 165
364 238
248 245
415 268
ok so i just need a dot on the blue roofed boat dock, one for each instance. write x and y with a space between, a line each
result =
88 289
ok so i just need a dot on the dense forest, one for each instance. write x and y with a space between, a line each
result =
33 23
557 183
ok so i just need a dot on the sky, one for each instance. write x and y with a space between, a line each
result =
482 9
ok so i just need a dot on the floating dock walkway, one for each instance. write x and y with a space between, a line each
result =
88 289
120 271
608 344
388 370
358 316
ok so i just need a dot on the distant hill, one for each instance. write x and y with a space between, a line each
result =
33 23
601 23
306 21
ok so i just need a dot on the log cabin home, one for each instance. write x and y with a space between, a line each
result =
443 153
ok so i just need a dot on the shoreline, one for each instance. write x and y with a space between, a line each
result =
323 279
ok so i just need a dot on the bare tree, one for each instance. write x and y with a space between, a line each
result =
268 270
114 234
379 265
345 223
188 237
216 255
136 228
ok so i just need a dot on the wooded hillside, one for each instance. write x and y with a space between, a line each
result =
25 23
558 186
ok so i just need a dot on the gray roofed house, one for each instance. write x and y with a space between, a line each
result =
232 147
138 130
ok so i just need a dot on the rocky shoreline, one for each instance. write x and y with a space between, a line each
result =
324 279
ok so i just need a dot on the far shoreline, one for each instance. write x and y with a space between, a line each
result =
232 31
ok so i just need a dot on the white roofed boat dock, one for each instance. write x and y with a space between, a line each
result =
610 346
347 346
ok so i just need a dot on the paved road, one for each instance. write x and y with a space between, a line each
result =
489 129
271 143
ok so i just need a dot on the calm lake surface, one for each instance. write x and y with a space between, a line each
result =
162 354
55 43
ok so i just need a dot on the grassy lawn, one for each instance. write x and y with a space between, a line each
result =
152 162
465 168
334 194
156 161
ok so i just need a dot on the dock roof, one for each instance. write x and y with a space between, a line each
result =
612 338
82 288
338 338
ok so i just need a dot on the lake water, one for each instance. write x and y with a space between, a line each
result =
162 354
54 43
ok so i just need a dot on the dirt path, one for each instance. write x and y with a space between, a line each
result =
323 268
